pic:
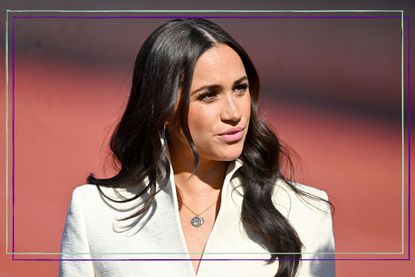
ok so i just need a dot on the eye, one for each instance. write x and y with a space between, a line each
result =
207 96
241 88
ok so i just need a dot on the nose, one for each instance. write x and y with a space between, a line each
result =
231 113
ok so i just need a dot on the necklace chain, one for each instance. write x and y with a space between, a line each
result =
196 214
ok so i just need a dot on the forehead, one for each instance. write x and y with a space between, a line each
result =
219 64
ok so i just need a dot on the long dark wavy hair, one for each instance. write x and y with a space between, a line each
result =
165 65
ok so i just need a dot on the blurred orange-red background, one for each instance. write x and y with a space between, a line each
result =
331 87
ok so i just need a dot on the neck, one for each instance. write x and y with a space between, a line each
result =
208 177
207 180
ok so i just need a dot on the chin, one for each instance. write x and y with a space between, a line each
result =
230 155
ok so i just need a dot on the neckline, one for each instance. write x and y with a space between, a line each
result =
232 168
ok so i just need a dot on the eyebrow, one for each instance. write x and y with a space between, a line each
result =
218 86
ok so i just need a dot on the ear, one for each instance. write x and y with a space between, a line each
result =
168 125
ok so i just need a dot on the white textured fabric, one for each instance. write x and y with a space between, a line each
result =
94 240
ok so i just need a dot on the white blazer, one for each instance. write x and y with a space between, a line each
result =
96 243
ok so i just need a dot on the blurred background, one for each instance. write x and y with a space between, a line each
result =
331 87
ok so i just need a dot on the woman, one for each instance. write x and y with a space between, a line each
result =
199 178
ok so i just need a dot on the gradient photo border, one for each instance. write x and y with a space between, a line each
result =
231 14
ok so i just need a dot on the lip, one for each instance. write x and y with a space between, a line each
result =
232 134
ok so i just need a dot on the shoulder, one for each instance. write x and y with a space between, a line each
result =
308 211
85 189
299 196
84 200
88 200
85 196
99 205
282 186
83 192
91 191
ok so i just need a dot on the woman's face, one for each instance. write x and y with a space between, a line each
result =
219 106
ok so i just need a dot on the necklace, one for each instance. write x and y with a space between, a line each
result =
197 220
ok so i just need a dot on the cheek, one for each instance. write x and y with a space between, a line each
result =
201 120
247 107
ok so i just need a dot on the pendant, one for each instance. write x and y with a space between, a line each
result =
197 221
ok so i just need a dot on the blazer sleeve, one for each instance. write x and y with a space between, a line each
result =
311 217
75 253
321 261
